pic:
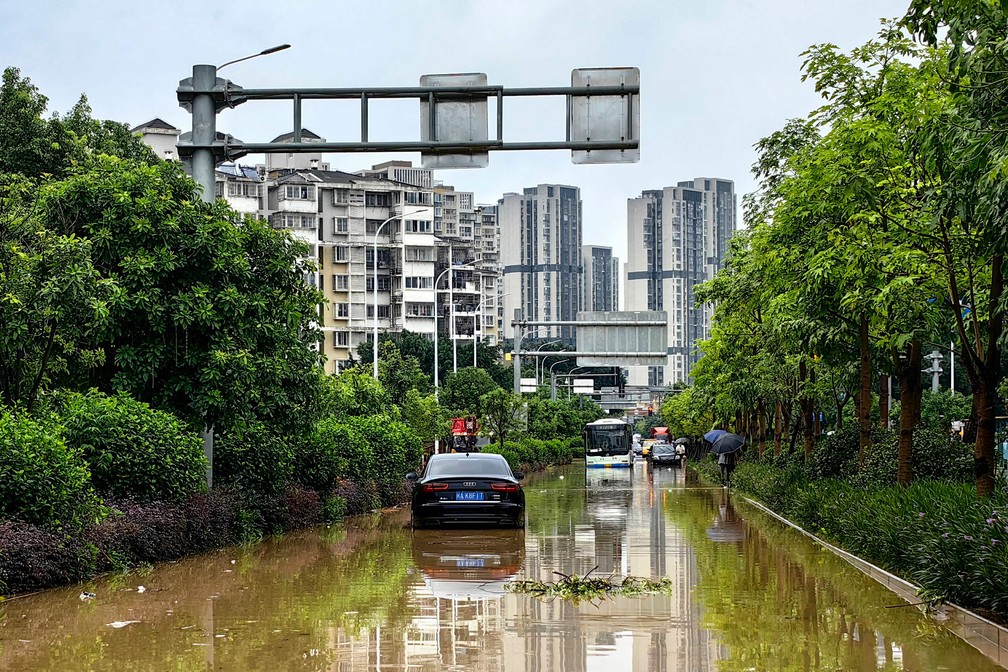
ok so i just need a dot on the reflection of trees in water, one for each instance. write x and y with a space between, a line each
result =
779 602
280 598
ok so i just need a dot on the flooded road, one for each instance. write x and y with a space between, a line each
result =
749 595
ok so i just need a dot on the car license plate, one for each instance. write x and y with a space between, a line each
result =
469 562
468 496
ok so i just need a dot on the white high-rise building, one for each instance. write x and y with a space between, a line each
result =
540 233
676 238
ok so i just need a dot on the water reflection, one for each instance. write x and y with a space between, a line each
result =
748 594
468 564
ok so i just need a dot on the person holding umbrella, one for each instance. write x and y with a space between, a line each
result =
726 447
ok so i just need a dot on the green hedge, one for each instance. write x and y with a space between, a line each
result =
43 481
530 453
133 450
252 457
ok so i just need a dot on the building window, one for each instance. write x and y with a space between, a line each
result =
341 283
341 225
419 254
383 312
420 309
341 339
300 192
417 226
376 199
419 282
342 310
384 284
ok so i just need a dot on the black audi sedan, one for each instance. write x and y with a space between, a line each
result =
467 489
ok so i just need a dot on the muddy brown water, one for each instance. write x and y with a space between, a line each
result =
373 595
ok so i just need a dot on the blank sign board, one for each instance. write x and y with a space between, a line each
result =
613 118
622 338
454 118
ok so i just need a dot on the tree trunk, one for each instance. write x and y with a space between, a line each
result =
808 431
908 371
761 411
864 400
984 396
778 427
883 404
816 422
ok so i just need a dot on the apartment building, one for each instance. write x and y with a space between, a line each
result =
340 216
601 278
677 237
541 233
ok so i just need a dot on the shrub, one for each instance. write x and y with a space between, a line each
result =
359 497
137 532
326 456
836 455
42 480
32 557
383 450
133 450
212 519
254 459
334 509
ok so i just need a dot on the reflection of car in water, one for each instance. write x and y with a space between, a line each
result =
468 564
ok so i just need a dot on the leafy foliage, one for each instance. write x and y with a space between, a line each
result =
43 481
463 391
132 450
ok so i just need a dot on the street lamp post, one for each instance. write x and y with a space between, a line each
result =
204 120
204 133
374 343
437 281
479 316
541 361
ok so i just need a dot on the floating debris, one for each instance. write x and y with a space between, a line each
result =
141 589
120 624
85 596
577 588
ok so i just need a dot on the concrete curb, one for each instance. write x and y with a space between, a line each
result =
985 636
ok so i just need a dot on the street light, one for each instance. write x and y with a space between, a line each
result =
203 106
540 361
374 343
264 52
479 313
437 280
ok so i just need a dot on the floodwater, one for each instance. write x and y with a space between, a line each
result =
749 594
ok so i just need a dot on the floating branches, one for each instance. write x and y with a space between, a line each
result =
577 588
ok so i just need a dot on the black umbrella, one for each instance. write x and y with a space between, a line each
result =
727 443
681 441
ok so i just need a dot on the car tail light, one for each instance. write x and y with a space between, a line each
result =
504 487
433 487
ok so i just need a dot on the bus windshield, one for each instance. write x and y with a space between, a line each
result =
605 441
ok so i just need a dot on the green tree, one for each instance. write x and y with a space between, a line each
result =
503 413
463 391
399 374
52 298
214 320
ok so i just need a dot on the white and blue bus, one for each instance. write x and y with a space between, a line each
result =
608 443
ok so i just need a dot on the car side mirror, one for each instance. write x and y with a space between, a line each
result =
519 475
411 476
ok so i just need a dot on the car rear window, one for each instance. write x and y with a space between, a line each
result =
462 466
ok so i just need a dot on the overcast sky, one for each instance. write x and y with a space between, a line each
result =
716 75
